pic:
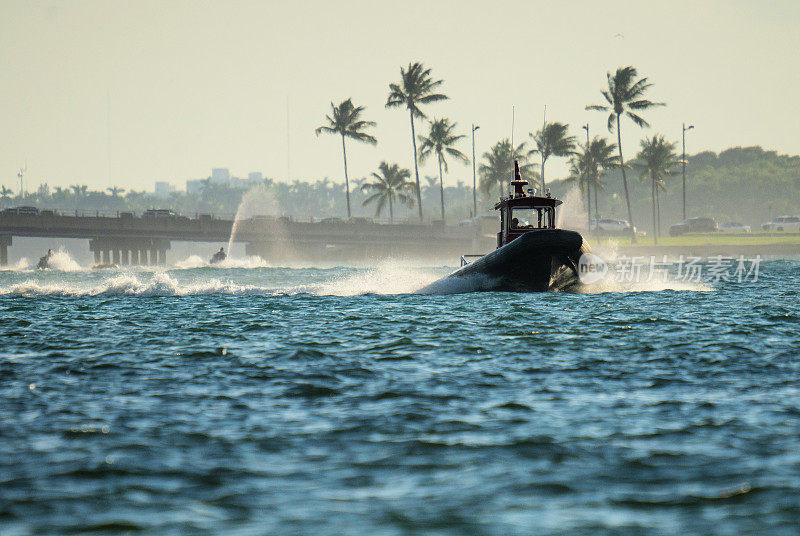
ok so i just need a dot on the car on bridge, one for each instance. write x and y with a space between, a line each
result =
31 211
159 213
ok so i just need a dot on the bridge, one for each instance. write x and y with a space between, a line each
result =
128 238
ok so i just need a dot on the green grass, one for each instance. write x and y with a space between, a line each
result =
749 239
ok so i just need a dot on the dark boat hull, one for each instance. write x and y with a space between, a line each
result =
538 261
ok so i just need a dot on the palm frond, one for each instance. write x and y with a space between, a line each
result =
638 120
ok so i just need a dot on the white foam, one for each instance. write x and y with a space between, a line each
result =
389 277
611 284
21 266
159 284
195 261
63 262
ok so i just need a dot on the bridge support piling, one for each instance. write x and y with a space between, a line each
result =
5 241
127 250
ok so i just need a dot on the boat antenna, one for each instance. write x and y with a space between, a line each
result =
513 149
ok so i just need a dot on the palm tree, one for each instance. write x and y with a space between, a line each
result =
115 191
499 167
390 184
551 140
345 120
440 140
415 88
656 160
578 175
625 97
601 158
5 193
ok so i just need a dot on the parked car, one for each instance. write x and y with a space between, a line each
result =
32 211
331 220
611 226
783 223
159 213
733 227
694 225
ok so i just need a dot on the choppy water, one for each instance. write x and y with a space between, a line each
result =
260 400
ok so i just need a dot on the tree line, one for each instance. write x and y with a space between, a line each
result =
746 184
625 97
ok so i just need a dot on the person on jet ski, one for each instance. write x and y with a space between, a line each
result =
219 256
44 262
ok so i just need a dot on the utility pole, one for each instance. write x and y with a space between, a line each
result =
683 164
474 187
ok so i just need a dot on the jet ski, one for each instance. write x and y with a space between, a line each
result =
44 262
218 257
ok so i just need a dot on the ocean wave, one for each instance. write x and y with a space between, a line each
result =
127 284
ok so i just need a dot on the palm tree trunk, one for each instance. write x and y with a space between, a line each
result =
653 196
543 186
596 212
658 210
588 207
625 182
416 167
391 209
441 185
346 181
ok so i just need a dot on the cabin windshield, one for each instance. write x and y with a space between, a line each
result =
529 218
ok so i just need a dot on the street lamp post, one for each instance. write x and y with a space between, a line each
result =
683 164
474 188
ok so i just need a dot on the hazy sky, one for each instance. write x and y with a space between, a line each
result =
187 86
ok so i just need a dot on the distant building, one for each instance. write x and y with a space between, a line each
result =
163 189
194 186
220 176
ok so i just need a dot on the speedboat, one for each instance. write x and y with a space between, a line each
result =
532 255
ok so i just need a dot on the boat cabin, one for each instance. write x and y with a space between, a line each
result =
523 212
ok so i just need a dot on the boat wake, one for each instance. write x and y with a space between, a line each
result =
22 265
60 261
389 277
195 261
127 284
611 285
